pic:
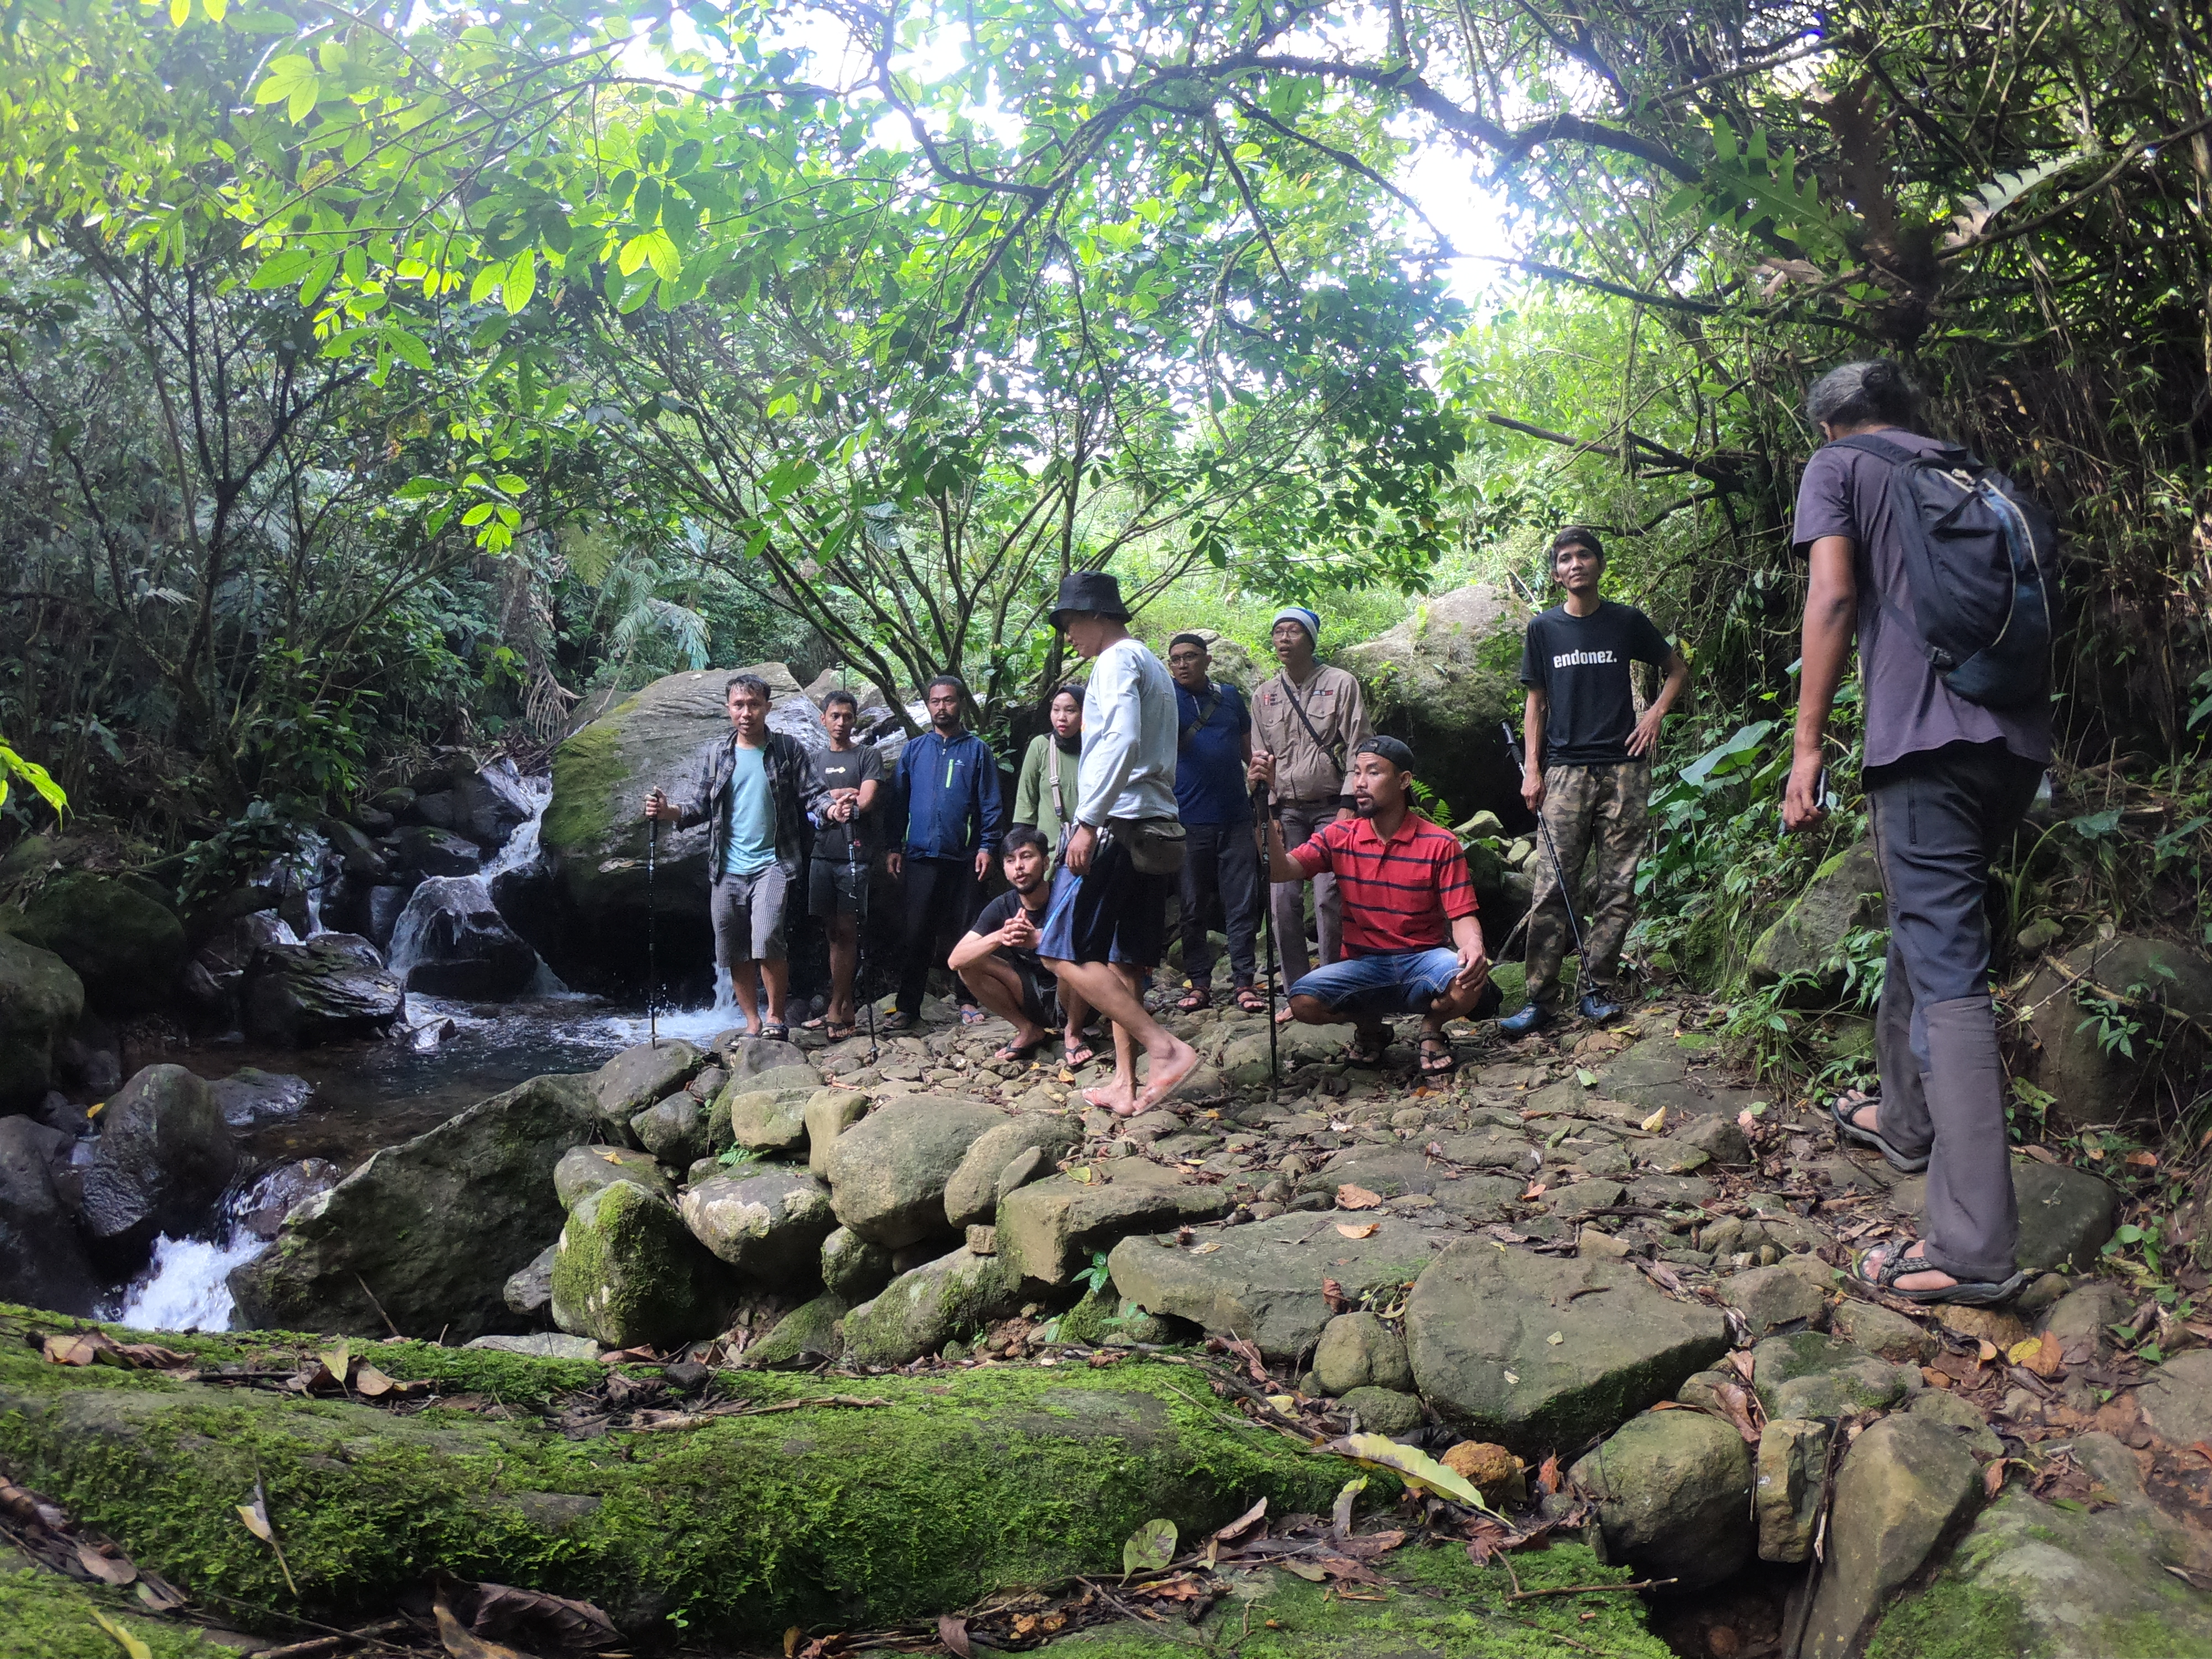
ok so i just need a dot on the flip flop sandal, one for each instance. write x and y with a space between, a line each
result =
1896 1264
817 1024
1436 1064
1081 1055
901 1022
1250 1000
1359 1052
1840 1110
841 1033
1019 1050
1199 998
971 1015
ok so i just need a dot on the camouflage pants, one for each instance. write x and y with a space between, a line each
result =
1596 816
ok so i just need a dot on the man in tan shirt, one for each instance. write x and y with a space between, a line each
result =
1306 721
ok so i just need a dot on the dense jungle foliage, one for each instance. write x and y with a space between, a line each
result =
378 377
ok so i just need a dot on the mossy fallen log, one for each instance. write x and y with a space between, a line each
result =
45 1616
821 1516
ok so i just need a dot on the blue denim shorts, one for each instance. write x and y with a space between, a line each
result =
1385 983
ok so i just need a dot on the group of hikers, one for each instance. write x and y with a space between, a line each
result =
1158 778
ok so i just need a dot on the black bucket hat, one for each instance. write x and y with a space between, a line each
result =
1089 590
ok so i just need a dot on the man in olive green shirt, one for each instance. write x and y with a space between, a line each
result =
1044 794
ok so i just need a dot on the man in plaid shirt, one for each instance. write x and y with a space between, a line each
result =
1404 883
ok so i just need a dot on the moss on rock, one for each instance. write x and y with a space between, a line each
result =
45 1616
627 1270
957 1486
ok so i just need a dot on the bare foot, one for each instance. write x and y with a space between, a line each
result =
1167 1071
1113 1096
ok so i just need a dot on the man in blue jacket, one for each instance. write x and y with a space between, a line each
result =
948 780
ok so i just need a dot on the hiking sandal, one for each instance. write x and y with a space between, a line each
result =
1367 1048
1852 1101
1438 1060
1894 1263
1250 1000
1199 997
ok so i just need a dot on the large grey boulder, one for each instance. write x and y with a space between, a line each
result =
330 988
582 1171
1806 943
972 1195
1903 1484
1539 1351
768 1223
1791 1294
2034 1580
164 1156
853 1268
41 999
1445 679
2088 1083
250 1098
889 1171
771 1120
451 941
430 1229
1264 1281
674 1131
828 1114
1673 1492
2177 1398
919 1312
1050 1229
126 947
638 1077
627 1272
42 1260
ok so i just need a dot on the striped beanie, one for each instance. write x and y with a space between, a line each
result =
1309 620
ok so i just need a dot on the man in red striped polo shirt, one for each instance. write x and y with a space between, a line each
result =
1404 884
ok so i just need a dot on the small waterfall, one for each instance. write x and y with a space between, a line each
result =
474 892
187 1286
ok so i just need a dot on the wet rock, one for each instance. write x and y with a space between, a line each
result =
752 1056
332 988
1879 1331
2088 1084
164 1156
1791 1295
1049 1229
539 1345
769 1224
889 1171
126 948
1808 1375
2177 1398
451 941
1383 1410
282 1191
41 998
1843 896
2082 1321
674 1131
1673 1492
922 1309
432 1227
637 1077
1903 1484
1533 1350
972 1195
489 806
529 1293
2030 1579
802 1338
434 852
1792 1474
1961 1418
626 1270
767 1120
853 1268
830 1112
1264 1281
582 1171
1357 1351
250 1098
44 1262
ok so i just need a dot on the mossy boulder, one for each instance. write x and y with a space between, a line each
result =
764 1114
1358 1351
889 1171
852 1268
427 1232
41 998
627 1270
920 1311
332 988
163 1158
810 1334
583 1170
1445 679
47 1616
2140 979
768 1222
1673 1492
1805 942
825 1517
126 947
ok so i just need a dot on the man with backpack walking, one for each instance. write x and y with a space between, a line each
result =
1589 772
1953 629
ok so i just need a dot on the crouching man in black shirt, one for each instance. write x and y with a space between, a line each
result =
1589 772
997 958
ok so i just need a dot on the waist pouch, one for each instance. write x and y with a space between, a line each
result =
1155 845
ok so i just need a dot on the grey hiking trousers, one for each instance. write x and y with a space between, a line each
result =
1939 817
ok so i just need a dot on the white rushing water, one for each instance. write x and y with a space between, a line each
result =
474 892
186 1287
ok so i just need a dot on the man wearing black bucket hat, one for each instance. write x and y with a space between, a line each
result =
1107 919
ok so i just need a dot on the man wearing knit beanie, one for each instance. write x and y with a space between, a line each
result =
1306 721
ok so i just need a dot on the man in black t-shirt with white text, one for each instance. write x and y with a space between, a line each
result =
1589 772
852 774
997 958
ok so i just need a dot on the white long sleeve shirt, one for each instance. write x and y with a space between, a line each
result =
1128 765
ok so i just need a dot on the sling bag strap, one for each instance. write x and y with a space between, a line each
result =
1334 752
1206 711
1052 773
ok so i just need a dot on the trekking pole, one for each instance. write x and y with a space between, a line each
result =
1268 940
861 931
1551 847
652 934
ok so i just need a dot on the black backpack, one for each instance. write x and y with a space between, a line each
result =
1981 558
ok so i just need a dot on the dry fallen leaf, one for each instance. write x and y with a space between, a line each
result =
1242 1524
1353 1196
461 1643
1332 1294
255 1515
1987 1350
337 1360
1993 1478
1536 1191
2042 1355
1656 1124
2143 1160
953 1631
105 1568
77 1348
1361 1229
501 1609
